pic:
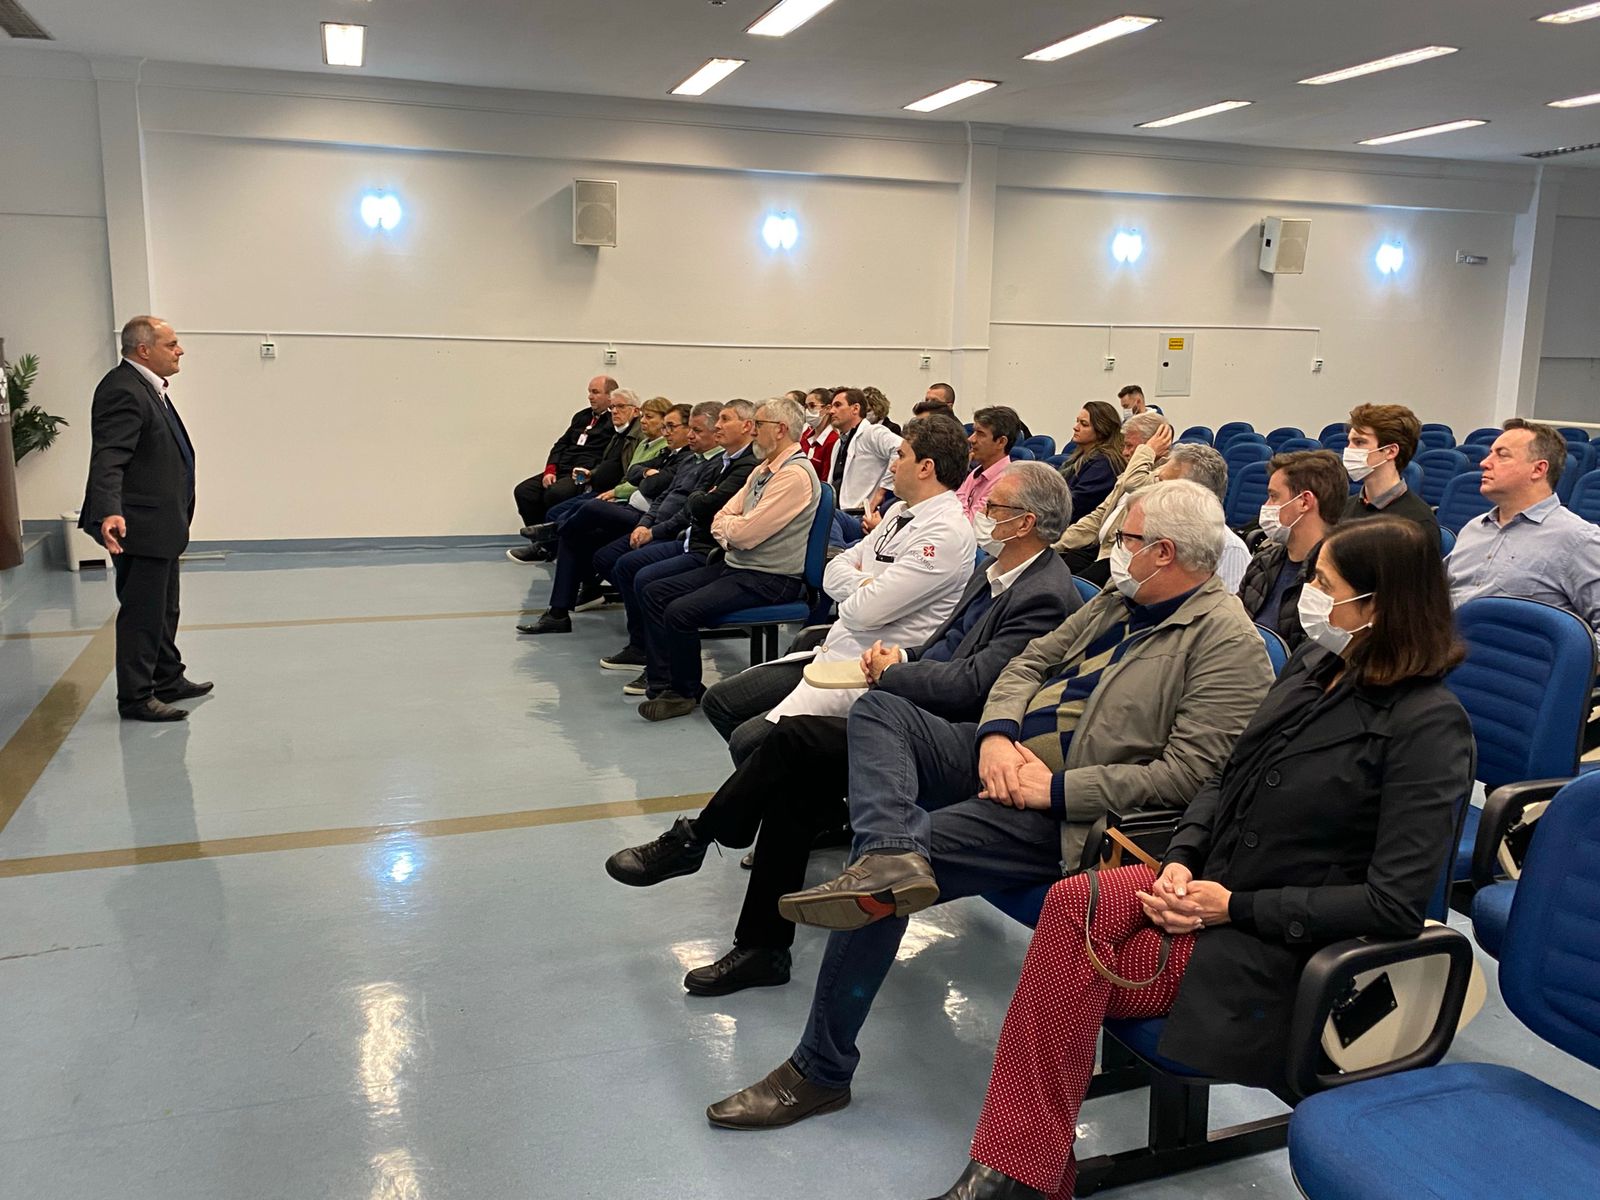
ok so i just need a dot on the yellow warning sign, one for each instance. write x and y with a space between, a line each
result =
1174 343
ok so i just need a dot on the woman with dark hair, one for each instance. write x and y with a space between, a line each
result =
1333 818
1096 460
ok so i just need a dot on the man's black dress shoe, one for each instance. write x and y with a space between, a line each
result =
152 710
676 852
740 968
184 689
548 624
979 1182
782 1098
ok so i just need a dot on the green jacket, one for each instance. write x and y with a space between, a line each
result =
643 454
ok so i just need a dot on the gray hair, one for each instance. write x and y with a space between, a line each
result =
1188 516
1041 490
627 395
1203 465
139 331
790 412
709 409
1144 425
745 410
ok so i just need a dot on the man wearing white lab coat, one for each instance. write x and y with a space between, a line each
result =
860 464
897 585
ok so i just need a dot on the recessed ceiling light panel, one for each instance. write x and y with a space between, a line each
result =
1382 64
951 95
1425 131
1571 16
787 16
708 76
1576 101
1120 27
1194 114
344 45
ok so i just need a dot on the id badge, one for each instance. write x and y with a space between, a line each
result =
583 439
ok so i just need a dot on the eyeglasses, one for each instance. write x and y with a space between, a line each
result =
1123 538
672 424
990 505
763 421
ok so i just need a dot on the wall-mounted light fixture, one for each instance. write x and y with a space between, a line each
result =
1390 258
1127 246
780 231
381 211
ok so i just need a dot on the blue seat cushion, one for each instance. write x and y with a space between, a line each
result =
765 614
1141 1037
1491 909
1456 1132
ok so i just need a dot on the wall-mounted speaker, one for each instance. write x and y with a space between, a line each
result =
1283 245
594 212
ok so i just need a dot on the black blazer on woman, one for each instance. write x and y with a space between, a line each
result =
1333 818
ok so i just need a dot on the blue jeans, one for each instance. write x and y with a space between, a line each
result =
679 607
632 569
902 756
588 527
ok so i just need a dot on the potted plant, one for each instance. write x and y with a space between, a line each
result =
31 427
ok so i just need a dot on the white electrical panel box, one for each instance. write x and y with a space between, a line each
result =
1174 362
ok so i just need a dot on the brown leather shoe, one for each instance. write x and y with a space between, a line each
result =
873 887
782 1098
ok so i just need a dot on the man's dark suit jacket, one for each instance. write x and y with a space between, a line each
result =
567 454
137 468
706 503
1042 597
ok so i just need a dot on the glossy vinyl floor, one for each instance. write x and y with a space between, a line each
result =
345 933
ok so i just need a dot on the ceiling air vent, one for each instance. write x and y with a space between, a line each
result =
14 19
1556 153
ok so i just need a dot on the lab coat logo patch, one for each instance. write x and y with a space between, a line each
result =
927 552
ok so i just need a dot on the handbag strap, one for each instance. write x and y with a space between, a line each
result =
1124 842
1088 942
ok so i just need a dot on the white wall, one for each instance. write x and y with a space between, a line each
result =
54 276
1569 369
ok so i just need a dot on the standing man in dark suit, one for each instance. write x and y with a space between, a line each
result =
572 460
138 504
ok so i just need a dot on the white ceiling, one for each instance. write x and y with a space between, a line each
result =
871 57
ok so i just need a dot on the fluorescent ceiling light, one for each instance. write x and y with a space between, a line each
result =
1195 114
1571 16
1429 131
786 16
1576 101
708 76
343 45
950 95
1382 64
1120 27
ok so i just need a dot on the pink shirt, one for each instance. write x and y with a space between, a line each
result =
975 489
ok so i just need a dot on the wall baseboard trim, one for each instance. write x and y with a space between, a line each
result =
479 541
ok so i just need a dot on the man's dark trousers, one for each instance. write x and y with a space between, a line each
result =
147 627
592 526
677 609
629 570
534 499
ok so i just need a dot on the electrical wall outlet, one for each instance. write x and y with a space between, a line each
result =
610 356
925 361
1316 366
1111 362
269 348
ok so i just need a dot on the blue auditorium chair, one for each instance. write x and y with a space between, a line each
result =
1588 454
1440 427
1570 475
1484 433
1337 429
1447 543
1585 499
763 619
1042 445
1336 441
1282 434
1241 453
1198 433
1056 460
1022 454
1231 430
1573 433
1436 439
1438 468
1462 501
1292 445
1086 589
1479 1131
1412 475
1247 492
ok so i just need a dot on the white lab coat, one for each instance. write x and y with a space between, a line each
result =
896 585
866 464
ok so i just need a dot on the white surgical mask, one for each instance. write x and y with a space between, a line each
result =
983 526
1122 574
814 419
1274 528
1355 462
1316 606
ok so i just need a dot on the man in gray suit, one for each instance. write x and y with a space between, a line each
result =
138 505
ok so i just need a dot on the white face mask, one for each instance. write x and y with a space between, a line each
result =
1122 573
983 525
1355 462
1273 527
1316 606
814 419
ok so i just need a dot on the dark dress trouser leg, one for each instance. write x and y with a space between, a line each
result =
147 626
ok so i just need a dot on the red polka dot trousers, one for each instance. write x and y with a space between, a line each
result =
1047 1046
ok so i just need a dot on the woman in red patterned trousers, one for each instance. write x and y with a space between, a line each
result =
1333 818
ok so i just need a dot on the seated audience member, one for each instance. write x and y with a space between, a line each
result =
629 431
762 532
1358 758
1020 594
940 397
569 463
646 456
897 584
1529 544
1303 486
1133 703
1096 460
601 521
681 539
994 433
1383 439
1132 400
878 409
1146 439
820 438
861 462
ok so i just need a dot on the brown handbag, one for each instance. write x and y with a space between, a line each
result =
1120 842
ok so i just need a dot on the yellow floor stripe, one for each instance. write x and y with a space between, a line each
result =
45 633
299 623
311 839
29 750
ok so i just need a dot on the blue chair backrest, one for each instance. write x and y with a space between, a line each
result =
1282 434
1086 589
1042 445
817 540
1231 430
1484 433
1438 425
1586 497
1570 475
1462 501
1588 454
1294 445
1247 492
1198 433
1525 685
1438 467
1240 455
1436 439
1022 454
1277 649
1447 542
1573 433
1336 441
1413 476
1548 963
1194 439
1335 427
1056 460
1476 452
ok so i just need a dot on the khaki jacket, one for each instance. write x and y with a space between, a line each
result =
1161 722
1087 530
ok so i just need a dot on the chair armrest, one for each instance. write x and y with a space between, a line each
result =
1501 810
1330 971
809 638
1149 828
